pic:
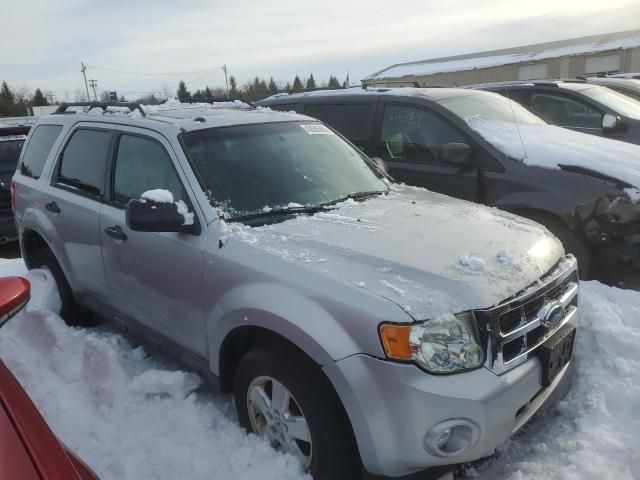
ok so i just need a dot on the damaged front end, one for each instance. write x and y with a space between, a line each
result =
612 229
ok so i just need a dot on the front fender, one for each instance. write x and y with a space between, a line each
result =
284 311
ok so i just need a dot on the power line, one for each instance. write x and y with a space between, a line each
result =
147 73
200 78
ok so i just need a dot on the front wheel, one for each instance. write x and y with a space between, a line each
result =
292 405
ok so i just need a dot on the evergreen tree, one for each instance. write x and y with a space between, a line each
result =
39 99
346 82
7 101
333 82
273 88
311 82
207 93
297 84
233 88
183 94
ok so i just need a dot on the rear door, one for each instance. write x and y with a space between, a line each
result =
154 278
410 138
73 201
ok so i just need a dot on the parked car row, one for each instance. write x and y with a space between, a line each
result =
11 140
481 147
360 323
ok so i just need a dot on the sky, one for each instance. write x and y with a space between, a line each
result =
192 39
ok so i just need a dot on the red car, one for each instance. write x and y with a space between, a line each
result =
28 448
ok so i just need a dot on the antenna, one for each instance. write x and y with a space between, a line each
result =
506 88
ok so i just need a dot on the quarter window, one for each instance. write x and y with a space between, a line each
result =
415 135
37 150
354 121
143 164
83 162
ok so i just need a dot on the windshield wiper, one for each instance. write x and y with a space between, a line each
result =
353 196
310 209
277 212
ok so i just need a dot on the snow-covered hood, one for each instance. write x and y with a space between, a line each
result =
554 147
427 252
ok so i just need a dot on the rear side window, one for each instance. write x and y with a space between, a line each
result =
37 150
353 121
83 162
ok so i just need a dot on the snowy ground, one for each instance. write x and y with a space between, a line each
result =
135 417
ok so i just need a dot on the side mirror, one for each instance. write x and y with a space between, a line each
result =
610 122
148 216
456 154
15 292
382 165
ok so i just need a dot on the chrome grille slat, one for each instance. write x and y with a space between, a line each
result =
513 329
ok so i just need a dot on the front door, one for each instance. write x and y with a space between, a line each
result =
154 278
411 140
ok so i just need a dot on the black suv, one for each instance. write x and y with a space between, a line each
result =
11 140
424 136
576 105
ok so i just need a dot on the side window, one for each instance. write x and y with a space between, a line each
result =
37 150
83 161
628 93
415 135
143 164
354 121
564 111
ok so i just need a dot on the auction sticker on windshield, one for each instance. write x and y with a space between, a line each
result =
12 138
317 129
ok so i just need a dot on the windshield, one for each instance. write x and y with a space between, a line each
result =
491 107
258 168
619 103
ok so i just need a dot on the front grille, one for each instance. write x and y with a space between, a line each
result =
514 329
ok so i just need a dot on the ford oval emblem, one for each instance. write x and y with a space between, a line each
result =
552 314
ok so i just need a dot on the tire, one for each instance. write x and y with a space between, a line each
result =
571 242
332 449
72 313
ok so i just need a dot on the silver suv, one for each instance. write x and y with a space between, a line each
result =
358 322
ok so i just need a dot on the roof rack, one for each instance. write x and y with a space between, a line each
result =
213 100
103 105
314 89
414 84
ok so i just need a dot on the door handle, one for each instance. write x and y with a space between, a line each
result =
52 207
116 233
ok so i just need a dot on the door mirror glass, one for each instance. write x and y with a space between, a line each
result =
456 154
14 295
145 215
610 122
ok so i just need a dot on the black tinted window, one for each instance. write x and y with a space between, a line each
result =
353 121
143 164
42 139
9 154
564 111
84 160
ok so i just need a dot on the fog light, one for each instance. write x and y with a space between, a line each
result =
452 437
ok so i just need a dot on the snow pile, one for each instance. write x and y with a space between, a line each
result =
549 146
158 195
592 433
473 264
129 416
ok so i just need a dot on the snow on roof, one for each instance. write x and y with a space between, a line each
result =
507 57
432 93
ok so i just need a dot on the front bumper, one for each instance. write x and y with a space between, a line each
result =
392 406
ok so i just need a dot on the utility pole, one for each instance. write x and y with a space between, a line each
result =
94 83
226 80
83 70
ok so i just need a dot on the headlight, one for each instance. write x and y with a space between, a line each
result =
445 345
